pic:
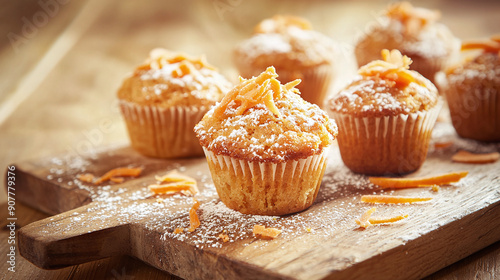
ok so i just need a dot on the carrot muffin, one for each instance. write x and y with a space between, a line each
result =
295 50
266 147
413 31
163 99
473 92
385 117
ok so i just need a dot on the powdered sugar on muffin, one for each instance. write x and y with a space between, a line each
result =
375 93
170 79
291 128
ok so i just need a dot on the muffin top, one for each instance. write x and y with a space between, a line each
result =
171 79
386 88
285 42
262 120
412 30
482 68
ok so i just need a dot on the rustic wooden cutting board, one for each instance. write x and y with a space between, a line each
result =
322 242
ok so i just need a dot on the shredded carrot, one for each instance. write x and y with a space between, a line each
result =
309 229
174 182
265 233
87 177
394 66
174 176
194 221
374 221
402 183
224 237
412 16
173 188
443 145
467 157
390 199
491 45
435 188
117 179
159 58
178 230
119 172
262 89
364 221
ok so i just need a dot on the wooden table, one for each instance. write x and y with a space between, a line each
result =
62 62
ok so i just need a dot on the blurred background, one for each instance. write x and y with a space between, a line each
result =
61 61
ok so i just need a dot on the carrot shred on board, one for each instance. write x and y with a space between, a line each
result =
265 233
402 183
174 182
364 220
391 199
174 176
87 177
119 172
178 230
467 157
173 188
374 221
117 179
194 221
443 145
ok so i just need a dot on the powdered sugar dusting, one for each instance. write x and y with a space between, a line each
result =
204 83
381 97
328 223
258 135
306 46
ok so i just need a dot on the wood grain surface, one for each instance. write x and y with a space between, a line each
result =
57 89
321 242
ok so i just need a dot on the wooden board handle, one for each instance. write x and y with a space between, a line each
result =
65 245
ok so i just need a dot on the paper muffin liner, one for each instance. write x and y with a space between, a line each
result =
474 114
385 145
428 67
262 188
315 83
163 132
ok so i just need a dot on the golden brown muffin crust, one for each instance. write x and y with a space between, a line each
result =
287 42
275 124
169 79
414 31
386 88
479 76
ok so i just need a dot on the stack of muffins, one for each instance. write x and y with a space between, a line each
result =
266 144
